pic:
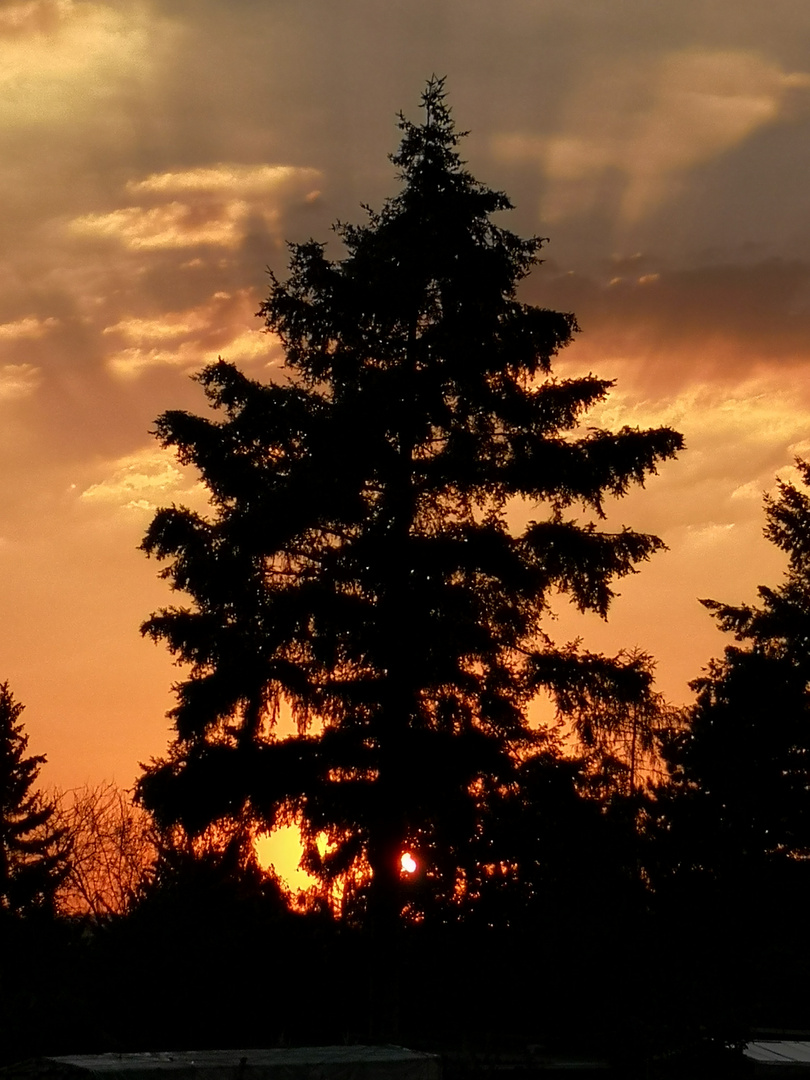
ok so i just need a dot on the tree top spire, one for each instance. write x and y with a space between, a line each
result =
435 139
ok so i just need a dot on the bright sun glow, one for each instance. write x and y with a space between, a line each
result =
408 863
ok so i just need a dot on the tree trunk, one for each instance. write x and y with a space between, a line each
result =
388 834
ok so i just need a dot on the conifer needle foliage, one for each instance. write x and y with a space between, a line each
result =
33 851
359 564
739 806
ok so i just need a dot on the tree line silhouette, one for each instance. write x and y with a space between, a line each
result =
388 524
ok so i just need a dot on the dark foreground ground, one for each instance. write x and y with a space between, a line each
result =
641 997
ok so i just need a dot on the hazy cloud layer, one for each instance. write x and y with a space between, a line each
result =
719 320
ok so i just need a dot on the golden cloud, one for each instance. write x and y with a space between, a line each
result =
208 214
188 339
29 327
176 225
751 490
131 362
58 57
134 361
254 345
18 381
759 410
245 180
146 471
172 325
708 535
737 441
142 480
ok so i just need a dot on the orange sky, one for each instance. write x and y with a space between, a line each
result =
155 155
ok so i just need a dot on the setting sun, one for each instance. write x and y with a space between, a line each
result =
408 863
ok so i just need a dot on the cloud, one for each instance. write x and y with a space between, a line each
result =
210 214
708 535
132 362
244 180
175 225
171 325
673 326
29 327
751 490
150 471
631 132
762 410
737 441
142 480
18 381
59 57
188 339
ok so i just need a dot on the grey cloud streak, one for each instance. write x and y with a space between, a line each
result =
715 322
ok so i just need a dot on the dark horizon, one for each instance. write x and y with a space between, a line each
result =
157 159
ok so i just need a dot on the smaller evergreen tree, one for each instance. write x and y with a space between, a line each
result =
33 853
740 804
729 850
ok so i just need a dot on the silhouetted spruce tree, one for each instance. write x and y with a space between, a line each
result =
729 838
741 765
33 854
360 562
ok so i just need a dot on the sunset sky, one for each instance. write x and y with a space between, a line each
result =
154 157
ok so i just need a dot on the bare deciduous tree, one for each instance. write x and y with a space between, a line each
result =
113 847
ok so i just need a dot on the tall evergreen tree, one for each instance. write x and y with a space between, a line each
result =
33 854
362 564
